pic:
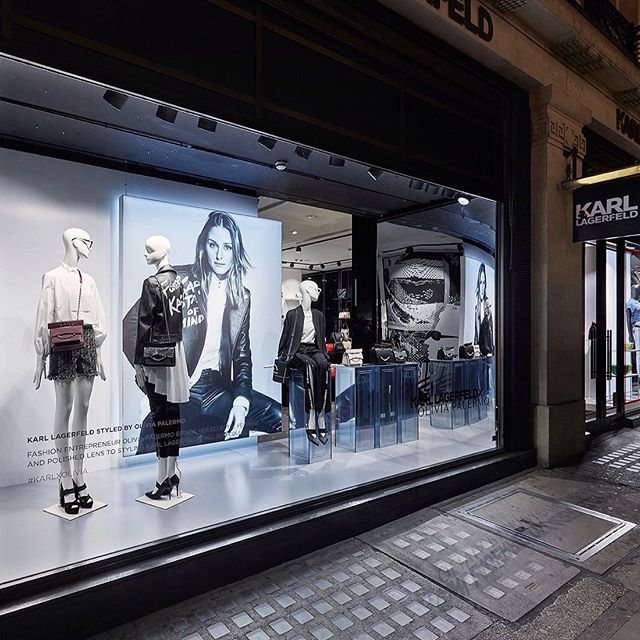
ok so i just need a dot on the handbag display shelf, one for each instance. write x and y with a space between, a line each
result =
300 448
469 378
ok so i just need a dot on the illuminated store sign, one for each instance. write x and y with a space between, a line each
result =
606 210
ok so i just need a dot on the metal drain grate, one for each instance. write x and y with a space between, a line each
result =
564 529
624 459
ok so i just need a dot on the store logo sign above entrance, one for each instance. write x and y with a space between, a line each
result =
606 210
467 13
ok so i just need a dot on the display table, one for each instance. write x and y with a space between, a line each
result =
376 405
299 446
459 391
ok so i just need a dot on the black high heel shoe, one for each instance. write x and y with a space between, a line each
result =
311 437
86 502
175 482
162 489
321 433
72 508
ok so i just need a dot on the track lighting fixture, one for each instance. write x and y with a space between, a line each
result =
207 124
291 265
338 264
375 173
322 266
115 99
266 142
303 152
418 185
298 249
167 114
310 267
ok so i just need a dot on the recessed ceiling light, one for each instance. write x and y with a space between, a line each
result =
298 249
463 200
310 217
375 173
167 114
416 184
267 142
294 233
115 99
335 161
281 165
207 124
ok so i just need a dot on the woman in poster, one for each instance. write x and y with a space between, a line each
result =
483 334
216 318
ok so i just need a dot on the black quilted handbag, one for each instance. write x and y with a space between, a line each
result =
446 353
159 355
382 355
465 352
280 371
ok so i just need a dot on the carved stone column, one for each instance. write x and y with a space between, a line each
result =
557 321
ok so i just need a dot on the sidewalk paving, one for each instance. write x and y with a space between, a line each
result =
440 574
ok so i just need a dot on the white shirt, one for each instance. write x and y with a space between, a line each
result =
59 303
210 356
308 330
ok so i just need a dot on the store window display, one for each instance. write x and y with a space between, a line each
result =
70 301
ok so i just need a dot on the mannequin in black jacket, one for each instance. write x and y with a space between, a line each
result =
302 346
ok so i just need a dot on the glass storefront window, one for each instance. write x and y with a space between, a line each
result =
177 353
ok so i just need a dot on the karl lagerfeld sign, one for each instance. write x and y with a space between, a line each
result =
606 210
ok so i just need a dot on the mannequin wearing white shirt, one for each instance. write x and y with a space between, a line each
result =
76 393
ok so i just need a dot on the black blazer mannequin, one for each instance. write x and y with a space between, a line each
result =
303 346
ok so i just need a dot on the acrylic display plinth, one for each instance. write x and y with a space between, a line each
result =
459 391
408 374
376 405
300 448
355 407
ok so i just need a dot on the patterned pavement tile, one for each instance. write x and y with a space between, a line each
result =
500 575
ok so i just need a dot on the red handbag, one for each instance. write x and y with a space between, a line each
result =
69 334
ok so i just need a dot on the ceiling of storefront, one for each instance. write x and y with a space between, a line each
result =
43 111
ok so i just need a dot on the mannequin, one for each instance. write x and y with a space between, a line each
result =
160 319
302 346
69 294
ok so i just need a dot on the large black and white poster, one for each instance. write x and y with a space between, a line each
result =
230 270
606 210
421 294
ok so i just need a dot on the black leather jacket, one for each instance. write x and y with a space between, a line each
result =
292 333
159 318
235 348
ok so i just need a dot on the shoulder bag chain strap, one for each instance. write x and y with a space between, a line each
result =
164 306
79 296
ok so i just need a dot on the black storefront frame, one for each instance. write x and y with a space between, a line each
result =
512 289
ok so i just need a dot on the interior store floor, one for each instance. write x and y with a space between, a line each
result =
228 484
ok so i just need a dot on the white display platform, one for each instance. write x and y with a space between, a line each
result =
57 510
166 503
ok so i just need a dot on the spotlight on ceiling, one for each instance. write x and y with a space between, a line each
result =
338 264
303 152
266 142
310 267
294 233
298 249
375 173
207 124
418 185
167 114
322 266
291 264
280 165
335 161
463 200
115 99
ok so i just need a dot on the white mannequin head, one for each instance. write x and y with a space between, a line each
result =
156 250
309 289
77 244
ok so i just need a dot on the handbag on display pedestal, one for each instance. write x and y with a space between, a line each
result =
382 355
352 358
446 353
466 351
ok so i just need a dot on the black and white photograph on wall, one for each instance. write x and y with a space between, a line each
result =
229 266
479 300
420 293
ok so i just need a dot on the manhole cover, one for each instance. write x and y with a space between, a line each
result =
565 529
